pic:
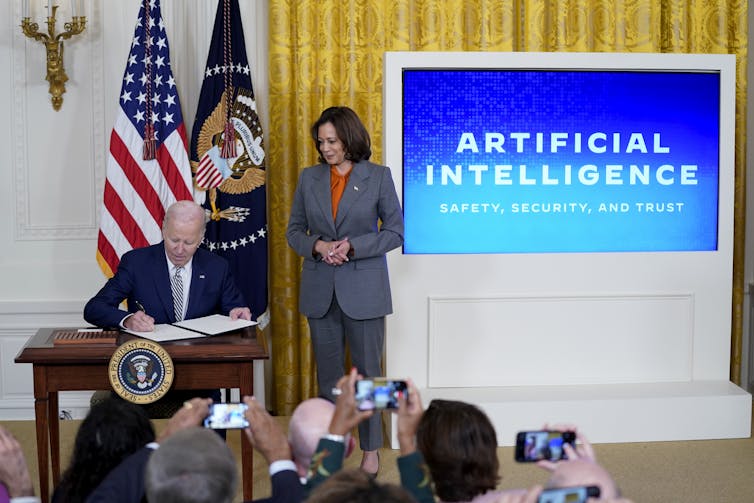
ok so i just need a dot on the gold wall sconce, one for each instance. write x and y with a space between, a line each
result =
53 43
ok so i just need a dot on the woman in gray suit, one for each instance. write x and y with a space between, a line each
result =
345 217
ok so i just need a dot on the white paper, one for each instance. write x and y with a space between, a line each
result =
214 324
164 332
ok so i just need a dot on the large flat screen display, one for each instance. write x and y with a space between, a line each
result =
549 160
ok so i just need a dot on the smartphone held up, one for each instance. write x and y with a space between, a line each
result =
532 446
578 494
226 416
379 393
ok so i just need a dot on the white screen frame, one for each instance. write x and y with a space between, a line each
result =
468 283
630 346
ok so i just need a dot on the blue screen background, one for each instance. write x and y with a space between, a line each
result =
440 105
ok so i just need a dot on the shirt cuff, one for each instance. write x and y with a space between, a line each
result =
335 438
25 499
122 322
152 445
281 465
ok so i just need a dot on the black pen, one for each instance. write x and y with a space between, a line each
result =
141 308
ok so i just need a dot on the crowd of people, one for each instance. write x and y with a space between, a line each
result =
345 217
448 453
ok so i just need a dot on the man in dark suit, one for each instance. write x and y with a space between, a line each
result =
170 281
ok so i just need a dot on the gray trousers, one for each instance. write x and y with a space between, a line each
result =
365 340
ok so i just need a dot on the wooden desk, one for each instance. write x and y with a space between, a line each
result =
223 361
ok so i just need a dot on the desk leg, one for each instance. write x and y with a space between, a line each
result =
247 451
54 425
41 408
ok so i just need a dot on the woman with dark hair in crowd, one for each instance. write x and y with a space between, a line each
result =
459 445
113 430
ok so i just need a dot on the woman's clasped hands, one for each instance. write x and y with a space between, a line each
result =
334 252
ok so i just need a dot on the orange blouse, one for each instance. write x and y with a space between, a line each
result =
338 184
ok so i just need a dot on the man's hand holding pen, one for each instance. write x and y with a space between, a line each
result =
139 321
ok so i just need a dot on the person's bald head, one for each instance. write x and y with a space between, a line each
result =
581 472
182 231
309 422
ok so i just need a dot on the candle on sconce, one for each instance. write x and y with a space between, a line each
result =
49 8
74 8
25 9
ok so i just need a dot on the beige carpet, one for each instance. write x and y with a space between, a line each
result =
715 471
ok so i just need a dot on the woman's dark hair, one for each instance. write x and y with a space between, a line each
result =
113 430
350 131
459 445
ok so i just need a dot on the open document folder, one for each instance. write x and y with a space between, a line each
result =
214 324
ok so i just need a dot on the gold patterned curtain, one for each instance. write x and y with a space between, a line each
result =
325 52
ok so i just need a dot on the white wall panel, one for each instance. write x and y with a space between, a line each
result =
59 149
15 379
631 339
566 332
18 322
55 162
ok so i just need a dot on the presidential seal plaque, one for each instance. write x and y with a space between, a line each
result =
141 371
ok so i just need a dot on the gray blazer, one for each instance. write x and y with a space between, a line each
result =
361 285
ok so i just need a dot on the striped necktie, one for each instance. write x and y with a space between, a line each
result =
176 283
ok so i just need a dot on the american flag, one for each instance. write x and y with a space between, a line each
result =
208 175
143 177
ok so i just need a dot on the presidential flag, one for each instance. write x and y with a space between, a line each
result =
228 160
148 168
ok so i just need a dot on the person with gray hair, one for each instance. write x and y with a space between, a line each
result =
170 281
192 466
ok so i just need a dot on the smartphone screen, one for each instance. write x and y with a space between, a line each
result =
379 393
226 416
534 446
569 494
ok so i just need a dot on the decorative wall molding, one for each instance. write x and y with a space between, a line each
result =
22 316
622 332
18 55
25 49
100 130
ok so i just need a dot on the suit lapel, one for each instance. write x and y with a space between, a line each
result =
322 194
198 282
161 277
356 186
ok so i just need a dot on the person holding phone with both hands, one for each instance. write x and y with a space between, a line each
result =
577 469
